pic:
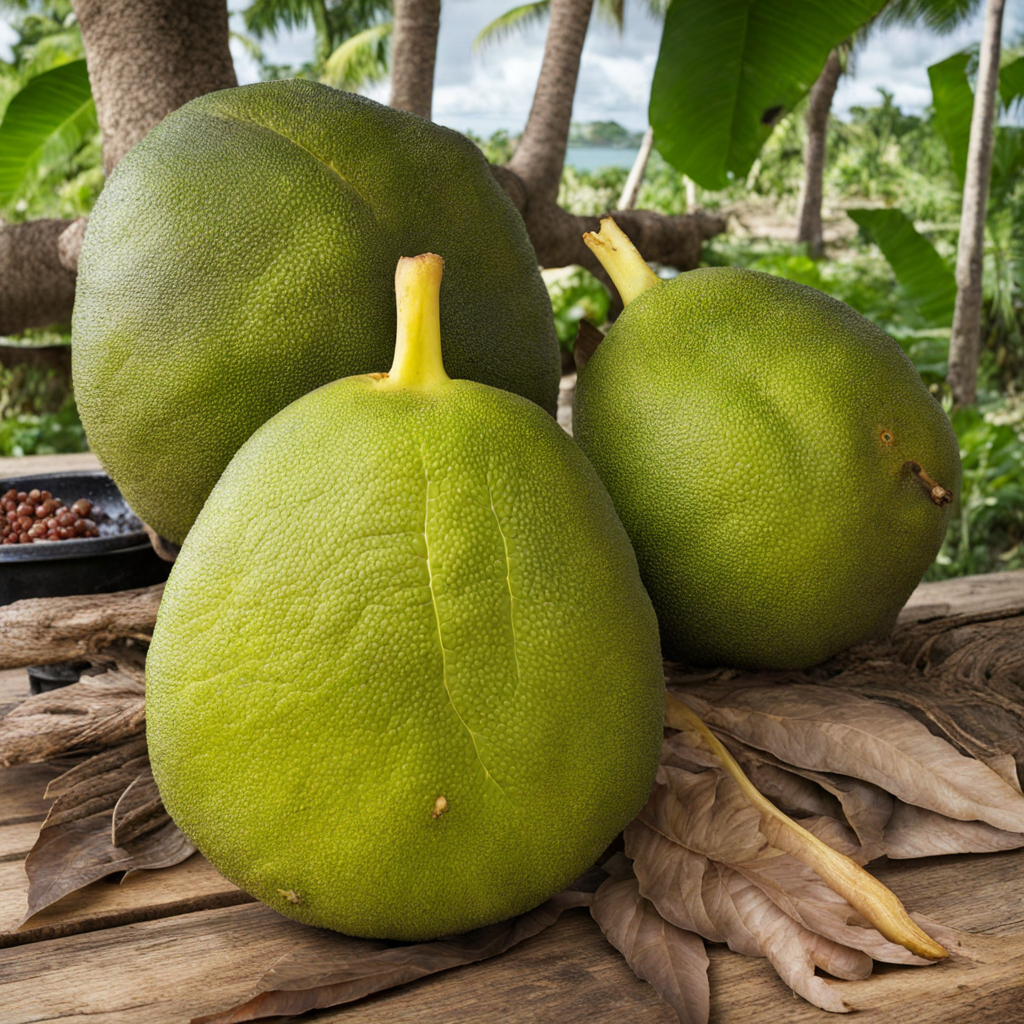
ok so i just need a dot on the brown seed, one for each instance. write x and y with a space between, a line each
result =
24 538
25 522
66 532
47 496
21 496
83 507
90 527
64 519
34 495
80 528
25 509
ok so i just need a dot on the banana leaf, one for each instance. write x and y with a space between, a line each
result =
920 270
46 121
729 70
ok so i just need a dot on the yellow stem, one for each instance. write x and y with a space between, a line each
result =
619 256
418 362
860 889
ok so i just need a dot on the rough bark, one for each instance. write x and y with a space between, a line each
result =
36 290
819 105
413 52
540 155
635 179
965 339
147 59
557 235
46 630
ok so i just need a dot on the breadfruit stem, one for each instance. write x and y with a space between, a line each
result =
863 891
936 491
418 362
619 256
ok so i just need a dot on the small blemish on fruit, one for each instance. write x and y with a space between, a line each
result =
887 438
290 895
378 376
440 806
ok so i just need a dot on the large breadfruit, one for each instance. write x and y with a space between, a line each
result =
243 254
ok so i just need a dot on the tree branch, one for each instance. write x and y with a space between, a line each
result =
413 52
36 290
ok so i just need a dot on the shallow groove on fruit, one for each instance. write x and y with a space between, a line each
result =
440 638
511 596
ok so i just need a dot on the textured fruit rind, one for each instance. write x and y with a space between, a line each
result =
389 599
737 420
243 254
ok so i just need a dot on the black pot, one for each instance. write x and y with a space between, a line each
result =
120 558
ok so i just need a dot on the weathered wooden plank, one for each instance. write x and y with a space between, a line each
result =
163 972
79 462
167 970
185 888
22 788
966 595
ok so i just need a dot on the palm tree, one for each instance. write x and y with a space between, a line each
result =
939 16
612 12
352 36
965 338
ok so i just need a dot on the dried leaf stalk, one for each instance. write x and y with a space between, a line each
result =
864 892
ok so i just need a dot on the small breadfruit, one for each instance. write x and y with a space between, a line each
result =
780 467
405 679
243 254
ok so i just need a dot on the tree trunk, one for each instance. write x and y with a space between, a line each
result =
540 155
36 290
818 108
147 59
413 52
636 173
965 338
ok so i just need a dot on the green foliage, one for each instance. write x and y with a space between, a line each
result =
987 526
44 124
576 295
361 59
603 133
954 104
728 72
37 414
46 434
926 280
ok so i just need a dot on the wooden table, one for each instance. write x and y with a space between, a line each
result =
168 945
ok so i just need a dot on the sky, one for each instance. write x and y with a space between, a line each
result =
491 90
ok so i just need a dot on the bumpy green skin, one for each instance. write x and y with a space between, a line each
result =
244 254
388 598
736 420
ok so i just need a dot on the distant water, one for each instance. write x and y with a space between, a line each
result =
593 158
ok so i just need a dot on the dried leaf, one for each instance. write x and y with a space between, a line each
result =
95 712
671 959
793 793
139 809
73 855
297 983
715 901
830 730
916 832
75 846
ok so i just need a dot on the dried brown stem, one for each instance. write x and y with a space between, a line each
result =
861 890
46 630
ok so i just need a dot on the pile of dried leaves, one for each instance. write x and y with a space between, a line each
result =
907 749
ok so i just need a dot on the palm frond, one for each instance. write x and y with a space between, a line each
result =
267 17
251 47
940 16
360 60
612 12
511 22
